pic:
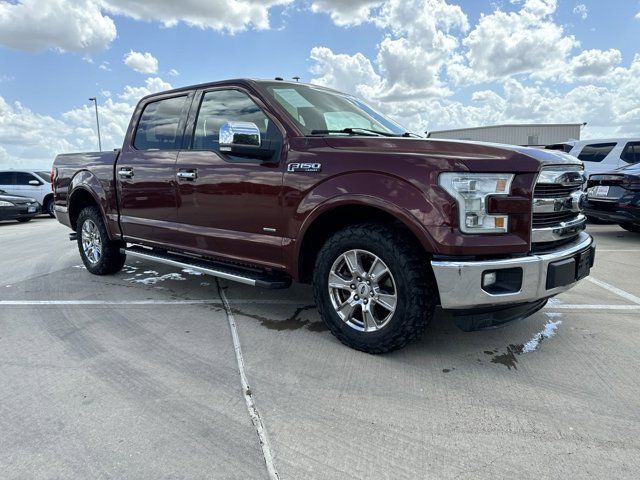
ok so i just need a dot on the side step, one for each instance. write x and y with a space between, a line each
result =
248 276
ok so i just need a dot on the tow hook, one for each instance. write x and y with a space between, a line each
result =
73 236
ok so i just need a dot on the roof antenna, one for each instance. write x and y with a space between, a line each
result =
296 78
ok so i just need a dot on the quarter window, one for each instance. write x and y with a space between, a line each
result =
631 153
595 152
159 126
221 106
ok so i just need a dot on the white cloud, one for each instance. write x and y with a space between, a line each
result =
350 12
141 62
595 64
638 16
152 85
226 15
30 138
581 10
524 42
174 73
69 25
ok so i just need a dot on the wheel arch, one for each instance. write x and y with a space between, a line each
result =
334 215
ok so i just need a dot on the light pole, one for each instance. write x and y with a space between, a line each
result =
95 102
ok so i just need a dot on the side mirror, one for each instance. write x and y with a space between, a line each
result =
35 183
243 139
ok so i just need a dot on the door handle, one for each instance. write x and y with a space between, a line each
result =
188 175
125 172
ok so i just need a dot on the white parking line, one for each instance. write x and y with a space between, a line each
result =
616 250
616 290
566 306
256 419
146 302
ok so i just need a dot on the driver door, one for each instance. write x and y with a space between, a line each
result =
229 206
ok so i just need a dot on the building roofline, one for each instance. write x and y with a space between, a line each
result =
508 125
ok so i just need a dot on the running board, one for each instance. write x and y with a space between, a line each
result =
248 276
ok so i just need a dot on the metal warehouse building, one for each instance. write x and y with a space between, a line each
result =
532 135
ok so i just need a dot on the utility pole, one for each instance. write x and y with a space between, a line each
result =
95 102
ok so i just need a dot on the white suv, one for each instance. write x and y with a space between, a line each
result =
600 156
29 183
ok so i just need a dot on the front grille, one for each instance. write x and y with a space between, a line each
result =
550 190
544 220
558 199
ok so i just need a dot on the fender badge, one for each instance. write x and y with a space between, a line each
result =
304 167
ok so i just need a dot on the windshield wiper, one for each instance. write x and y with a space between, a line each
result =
354 131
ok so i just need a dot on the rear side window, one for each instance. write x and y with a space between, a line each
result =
631 153
595 152
6 178
159 125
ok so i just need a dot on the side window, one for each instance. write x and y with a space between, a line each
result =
631 153
23 178
6 178
158 128
221 106
595 152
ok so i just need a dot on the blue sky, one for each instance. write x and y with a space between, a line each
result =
428 63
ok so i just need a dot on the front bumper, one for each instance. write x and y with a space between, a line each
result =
460 282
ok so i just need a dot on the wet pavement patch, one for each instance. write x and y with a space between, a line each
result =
510 358
294 322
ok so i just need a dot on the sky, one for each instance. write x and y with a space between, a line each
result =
428 64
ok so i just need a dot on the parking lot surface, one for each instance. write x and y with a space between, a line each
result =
137 375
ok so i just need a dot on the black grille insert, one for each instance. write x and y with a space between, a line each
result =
545 220
552 190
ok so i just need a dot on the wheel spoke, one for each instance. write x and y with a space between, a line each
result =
336 281
377 269
387 301
353 263
347 309
370 323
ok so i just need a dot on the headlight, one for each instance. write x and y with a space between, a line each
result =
471 191
6 204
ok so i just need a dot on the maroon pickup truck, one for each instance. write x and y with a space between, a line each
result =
265 182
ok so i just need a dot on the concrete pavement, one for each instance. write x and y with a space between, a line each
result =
135 376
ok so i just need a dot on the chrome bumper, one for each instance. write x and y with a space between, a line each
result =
460 283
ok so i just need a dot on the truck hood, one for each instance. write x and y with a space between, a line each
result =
476 155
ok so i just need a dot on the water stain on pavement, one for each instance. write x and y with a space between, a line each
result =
509 359
294 322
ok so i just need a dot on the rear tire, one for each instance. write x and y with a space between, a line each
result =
49 208
390 271
631 227
100 255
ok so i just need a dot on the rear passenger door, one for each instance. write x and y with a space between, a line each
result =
145 171
231 207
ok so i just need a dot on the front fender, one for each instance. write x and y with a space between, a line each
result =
390 194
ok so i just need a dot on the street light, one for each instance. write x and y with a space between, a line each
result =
95 102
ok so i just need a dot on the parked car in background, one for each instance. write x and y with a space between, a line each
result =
615 197
29 183
21 209
602 155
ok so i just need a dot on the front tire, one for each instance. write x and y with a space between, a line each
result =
100 255
373 288
631 227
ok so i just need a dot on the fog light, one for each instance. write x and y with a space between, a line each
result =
488 279
472 220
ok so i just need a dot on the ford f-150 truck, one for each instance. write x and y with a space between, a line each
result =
269 182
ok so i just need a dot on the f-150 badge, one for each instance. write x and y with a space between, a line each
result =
304 167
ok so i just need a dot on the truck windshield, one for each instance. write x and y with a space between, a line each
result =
317 111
